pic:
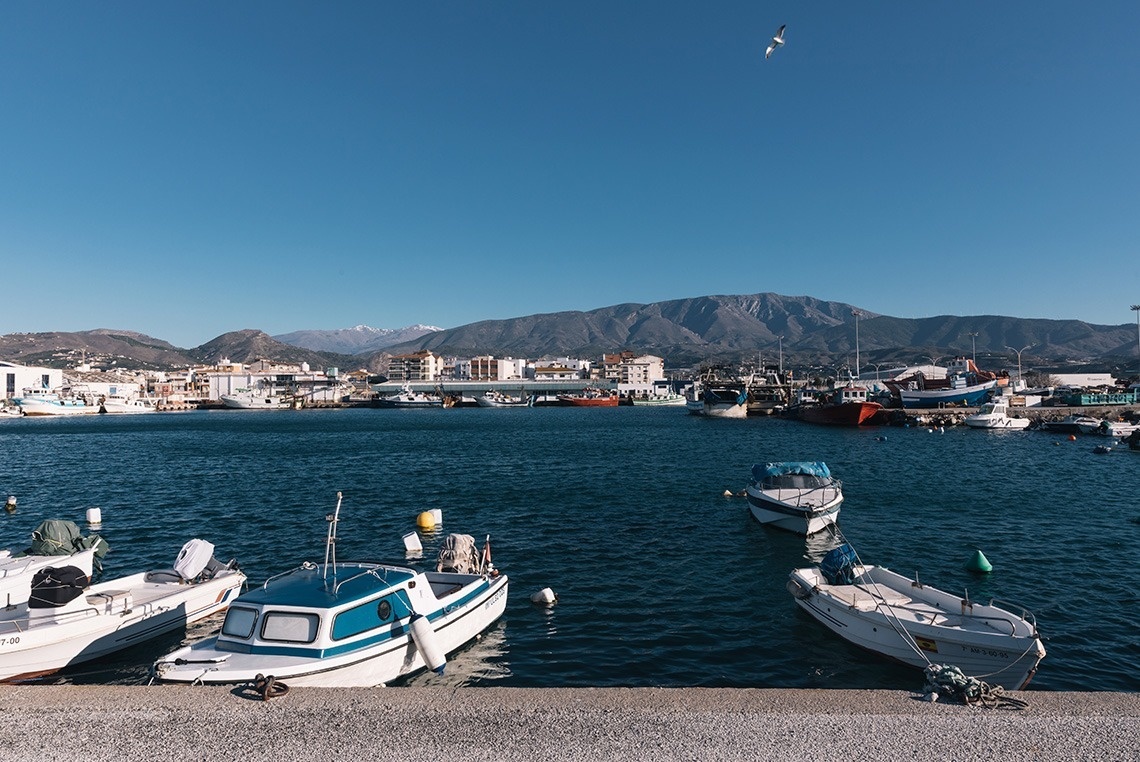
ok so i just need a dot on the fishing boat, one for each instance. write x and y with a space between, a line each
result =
406 398
495 398
916 624
694 401
846 405
963 385
1073 423
349 623
590 397
671 398
724 399
801 497
995 415
250 399
40 401
118 404
67 621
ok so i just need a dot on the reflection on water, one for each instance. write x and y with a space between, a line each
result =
481 662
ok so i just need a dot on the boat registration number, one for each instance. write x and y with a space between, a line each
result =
9 641
494 598
989 652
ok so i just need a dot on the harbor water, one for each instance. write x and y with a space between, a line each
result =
662 579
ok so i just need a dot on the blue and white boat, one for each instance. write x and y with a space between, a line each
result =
798 496
40 401
348 624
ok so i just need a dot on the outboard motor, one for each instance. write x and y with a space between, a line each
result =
458 554
54 587
196 558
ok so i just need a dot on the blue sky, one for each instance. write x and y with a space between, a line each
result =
188 169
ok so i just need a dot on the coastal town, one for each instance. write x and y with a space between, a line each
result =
950 394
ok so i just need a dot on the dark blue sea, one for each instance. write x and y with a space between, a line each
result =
661 579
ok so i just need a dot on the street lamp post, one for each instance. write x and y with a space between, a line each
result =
1020 381
1136 308
857 315
973 348
781 340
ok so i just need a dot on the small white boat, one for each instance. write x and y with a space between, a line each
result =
1116 429
801 497
725 400
916 624
660 399
248 399
495 398
17 571
67 622
995 415
408 398
121 405
348 624
1072 424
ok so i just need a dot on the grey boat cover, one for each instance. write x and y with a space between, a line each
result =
458 554
57 537
801 467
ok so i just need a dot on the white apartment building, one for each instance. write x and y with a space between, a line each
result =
15 378
418 366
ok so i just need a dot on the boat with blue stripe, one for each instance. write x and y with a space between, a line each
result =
350 623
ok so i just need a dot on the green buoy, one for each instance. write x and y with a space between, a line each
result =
979 563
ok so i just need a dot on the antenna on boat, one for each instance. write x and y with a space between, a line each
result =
330 543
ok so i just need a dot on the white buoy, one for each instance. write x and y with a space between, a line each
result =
94 517
544 597
10 506
424 637
437 514
412 543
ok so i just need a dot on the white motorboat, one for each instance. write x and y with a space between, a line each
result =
995 415
248 399
800 497
408 398
348 624
39 401
67 622
1072 424
17 571
916 624
1116 429
121 405
725 400
660 399
495 398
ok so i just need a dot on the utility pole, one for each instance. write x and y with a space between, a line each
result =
1136 308
857 315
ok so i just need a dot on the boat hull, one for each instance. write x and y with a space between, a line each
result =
242 402
927 398
374 664
109 621
1000 423
45 407
981 645
844 414
802 518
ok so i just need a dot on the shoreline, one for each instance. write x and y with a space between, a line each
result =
124 723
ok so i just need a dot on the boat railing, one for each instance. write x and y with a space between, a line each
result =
1016 609
375 572
306 566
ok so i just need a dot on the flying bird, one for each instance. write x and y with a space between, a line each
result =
777 41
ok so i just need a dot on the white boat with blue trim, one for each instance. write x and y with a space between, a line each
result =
348 624
799 496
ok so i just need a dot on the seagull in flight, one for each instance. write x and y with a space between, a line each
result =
777 41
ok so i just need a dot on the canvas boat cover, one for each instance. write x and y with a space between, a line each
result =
57 537
838 566
458 554
793 467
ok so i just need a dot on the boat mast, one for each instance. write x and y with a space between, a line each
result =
330 543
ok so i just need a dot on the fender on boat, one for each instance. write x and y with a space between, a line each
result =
799 588
424 637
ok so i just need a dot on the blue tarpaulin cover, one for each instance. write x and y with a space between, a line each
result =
838 566
805 467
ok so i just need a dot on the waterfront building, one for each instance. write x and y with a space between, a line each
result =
420 366
15 378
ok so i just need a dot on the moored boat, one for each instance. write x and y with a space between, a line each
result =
916 624
995 415
121 405
66 621
348 624
406 398
964 385
590 397
250 399
801 497
495 398
45 402
724 399
846 405
1074 423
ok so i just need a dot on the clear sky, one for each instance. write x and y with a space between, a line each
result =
188 169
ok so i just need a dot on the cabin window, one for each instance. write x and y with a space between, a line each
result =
362 618
290 627
239 622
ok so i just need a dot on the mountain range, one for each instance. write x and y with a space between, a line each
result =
686 332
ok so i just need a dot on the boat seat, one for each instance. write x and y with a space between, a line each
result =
111 599
863 599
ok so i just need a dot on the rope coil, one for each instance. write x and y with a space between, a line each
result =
952 681
268 687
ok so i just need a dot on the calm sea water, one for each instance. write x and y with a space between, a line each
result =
662 580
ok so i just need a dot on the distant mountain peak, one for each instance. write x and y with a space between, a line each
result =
358 340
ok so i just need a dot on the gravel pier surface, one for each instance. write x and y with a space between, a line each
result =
224 723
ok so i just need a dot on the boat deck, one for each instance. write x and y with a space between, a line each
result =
907 609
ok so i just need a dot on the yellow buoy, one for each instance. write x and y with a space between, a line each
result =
426 521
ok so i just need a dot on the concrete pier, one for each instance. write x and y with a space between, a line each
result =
127 723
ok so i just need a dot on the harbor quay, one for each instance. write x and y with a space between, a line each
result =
127 723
